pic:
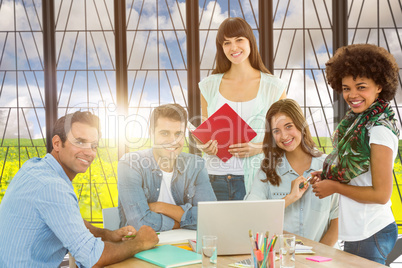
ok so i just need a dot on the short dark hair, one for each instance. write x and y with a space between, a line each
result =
364 60
64 123
172 111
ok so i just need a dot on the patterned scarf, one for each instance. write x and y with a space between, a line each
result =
351 154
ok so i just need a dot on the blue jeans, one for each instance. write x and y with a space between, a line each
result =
228 187
376 247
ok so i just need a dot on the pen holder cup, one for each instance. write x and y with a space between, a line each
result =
261 260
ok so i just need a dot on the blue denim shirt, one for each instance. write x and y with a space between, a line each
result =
309 216
139 184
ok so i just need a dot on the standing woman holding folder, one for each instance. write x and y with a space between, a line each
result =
241 80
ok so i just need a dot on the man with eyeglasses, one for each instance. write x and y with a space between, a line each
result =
40 219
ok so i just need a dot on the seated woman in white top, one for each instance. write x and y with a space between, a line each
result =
290 156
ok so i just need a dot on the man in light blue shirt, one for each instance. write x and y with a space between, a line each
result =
161 187
40 217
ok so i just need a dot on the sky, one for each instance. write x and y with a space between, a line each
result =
94 50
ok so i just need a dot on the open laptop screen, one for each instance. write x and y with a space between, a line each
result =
231 221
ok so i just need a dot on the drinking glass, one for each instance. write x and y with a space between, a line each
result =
209 252
259 262
287 250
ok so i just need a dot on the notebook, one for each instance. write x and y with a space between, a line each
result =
231 221
176 236
227 127
169 256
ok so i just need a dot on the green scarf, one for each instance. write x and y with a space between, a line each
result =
351 154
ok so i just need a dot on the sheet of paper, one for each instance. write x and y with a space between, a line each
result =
177 236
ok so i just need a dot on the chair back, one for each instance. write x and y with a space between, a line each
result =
111 219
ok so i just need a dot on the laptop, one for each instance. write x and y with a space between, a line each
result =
231 221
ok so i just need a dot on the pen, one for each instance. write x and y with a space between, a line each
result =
302 184
129 236
256 241
269 249
250 233
273 244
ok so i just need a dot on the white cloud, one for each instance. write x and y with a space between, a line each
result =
212 16
38 135
29 46
179 94
12 121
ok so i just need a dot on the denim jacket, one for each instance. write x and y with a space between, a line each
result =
309 216
139 184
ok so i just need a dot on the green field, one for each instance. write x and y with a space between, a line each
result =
97 188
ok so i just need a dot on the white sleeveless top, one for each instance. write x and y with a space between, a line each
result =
271 89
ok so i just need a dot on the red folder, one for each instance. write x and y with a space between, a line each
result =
227 127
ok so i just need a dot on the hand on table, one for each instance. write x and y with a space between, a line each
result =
119 234
146 237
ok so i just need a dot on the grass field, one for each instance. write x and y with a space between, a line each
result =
97 188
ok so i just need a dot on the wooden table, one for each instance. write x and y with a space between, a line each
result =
340 259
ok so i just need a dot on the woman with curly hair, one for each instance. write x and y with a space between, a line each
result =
365 144
241 80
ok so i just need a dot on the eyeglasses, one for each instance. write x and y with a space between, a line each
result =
84 145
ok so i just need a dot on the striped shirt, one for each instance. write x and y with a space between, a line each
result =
40 219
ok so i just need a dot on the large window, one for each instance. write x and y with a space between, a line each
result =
22 106
157 71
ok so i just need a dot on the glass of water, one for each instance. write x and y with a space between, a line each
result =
287 250
209 252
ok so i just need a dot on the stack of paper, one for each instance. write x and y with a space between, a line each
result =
302 249
176 236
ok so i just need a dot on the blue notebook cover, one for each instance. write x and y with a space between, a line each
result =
169 256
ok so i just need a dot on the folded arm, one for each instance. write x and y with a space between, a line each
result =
169 210
197 188
134 202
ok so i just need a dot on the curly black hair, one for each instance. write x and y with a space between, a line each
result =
364 60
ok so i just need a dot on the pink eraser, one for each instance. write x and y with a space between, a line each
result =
318 258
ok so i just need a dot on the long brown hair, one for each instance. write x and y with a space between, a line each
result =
272 153
236 27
